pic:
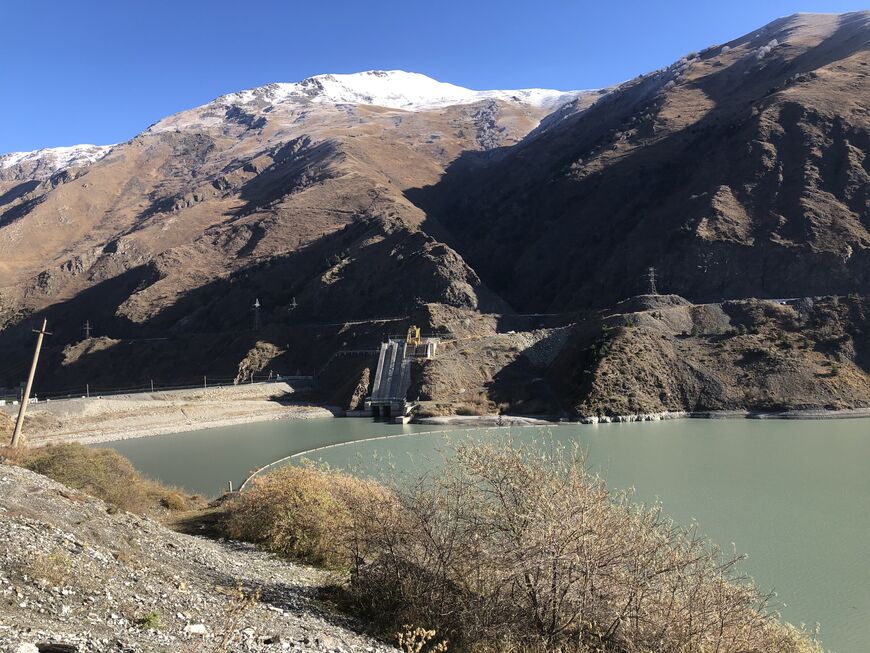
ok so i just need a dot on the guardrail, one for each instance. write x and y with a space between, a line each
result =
205 383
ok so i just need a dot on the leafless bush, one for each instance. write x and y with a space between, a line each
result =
520 550
305 513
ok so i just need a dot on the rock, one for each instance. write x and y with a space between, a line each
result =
26 647
196 629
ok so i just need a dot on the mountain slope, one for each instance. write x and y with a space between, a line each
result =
292 192
739 171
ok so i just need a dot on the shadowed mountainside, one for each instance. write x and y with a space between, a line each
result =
739 171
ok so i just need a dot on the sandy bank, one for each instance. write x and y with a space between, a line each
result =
102 419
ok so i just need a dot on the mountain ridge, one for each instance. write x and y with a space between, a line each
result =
739 171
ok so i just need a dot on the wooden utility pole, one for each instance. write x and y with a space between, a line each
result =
16 434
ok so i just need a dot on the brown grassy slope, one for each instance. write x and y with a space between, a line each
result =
740 171
178 231
193 200
102 473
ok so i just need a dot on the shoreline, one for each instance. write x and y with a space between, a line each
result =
525 420
310 412
123 417
264 408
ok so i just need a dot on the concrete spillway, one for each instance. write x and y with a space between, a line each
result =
393 376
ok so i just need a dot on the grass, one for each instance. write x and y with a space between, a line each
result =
102 473
148 621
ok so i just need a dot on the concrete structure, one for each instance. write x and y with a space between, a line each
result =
393 376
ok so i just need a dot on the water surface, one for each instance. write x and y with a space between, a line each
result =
793 495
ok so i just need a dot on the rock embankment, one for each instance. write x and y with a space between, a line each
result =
74 573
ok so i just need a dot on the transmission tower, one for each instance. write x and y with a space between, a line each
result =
256 309
651 280
87 329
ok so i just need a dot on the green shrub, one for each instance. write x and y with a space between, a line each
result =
148 621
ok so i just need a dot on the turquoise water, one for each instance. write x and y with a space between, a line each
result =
793 495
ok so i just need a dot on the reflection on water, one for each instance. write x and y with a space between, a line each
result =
793 495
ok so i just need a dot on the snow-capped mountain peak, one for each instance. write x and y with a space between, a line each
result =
52 159
395 89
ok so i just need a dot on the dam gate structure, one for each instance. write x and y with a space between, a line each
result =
393 375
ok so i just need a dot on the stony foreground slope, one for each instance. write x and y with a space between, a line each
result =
72 572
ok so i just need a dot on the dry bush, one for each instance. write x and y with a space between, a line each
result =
304 513
173 501
474 407
54 568
520 550
102 473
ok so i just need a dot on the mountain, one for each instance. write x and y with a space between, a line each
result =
247 177
514 223
293 193
741 170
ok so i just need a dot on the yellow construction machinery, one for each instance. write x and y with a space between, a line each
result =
413 337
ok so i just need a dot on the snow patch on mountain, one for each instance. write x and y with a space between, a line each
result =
395 89
392 89
56 158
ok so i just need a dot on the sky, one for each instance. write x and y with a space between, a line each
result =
101 71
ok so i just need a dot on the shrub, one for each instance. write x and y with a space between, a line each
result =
148 621
303 513
102 473
53 568
525 550
173 501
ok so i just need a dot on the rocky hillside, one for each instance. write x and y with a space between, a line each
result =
741 170
291 193
76 572
657 354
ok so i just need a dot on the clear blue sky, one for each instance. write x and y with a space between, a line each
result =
100 71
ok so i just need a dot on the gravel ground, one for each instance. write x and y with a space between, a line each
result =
75 571
102 419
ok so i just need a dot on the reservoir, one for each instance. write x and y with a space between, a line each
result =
794 495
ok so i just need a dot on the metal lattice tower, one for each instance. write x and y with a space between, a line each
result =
651 280
256 309
87 329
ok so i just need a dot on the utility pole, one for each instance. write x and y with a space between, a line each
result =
16 434
87 329
651 280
